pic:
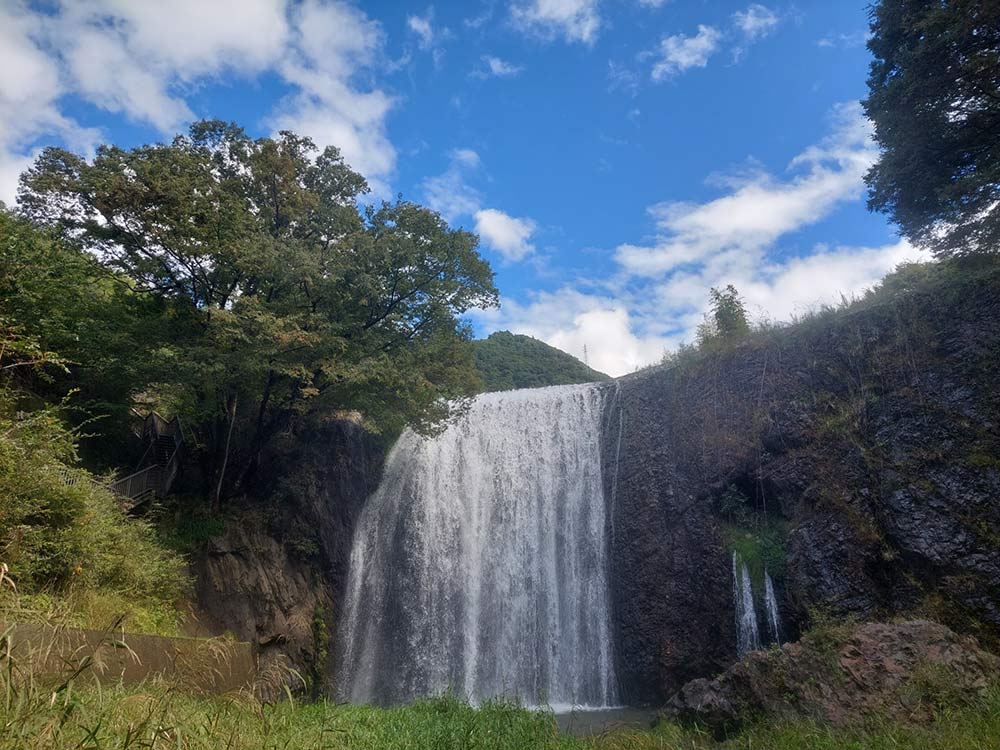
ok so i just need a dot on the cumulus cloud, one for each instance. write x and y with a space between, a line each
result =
30 86
759 208
679 53
634 325
660 292
333 42
451 195
571 320
142 59
506 234
573 20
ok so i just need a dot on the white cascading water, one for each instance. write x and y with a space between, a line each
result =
480 564
771 607
747 633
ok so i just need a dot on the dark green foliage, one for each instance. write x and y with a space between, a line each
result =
935 101
506 361
272 297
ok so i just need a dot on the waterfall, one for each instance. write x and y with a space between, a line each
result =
771 607
480 564
747 634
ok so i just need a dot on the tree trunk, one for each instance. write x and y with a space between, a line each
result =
217 495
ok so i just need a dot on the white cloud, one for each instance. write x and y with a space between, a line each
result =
449 192
679 53
752 25
574 20
451 195
129 57
334 41
756 22
421 26
30 86
141 59
660 293
498 68
760 208
856 39
632 327
571 320
506 234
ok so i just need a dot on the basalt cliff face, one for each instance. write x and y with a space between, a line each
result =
869 438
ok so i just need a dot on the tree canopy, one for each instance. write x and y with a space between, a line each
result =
268 293
935 102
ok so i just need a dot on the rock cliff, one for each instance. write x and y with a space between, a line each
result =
864 440
274 577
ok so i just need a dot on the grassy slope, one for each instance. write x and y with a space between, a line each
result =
157 717
507 361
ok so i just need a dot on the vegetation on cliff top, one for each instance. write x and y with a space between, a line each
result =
506 361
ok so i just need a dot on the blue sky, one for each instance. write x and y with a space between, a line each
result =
618 158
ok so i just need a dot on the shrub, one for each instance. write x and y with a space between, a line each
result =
64 537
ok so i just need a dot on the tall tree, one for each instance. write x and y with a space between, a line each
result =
935 101
291 300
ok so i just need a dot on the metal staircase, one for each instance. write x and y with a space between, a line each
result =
159 464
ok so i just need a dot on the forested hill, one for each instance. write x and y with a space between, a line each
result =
508 360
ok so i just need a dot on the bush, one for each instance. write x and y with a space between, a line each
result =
65 539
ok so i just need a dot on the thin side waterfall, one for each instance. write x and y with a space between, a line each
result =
771 607
747 633
480 564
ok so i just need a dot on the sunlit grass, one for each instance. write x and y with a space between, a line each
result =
161 716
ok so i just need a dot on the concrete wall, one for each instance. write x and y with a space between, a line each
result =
211 665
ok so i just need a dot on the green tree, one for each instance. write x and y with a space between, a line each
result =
728 318
935 101
287 300
106 333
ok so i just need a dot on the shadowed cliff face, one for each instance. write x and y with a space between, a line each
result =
869 435
280 568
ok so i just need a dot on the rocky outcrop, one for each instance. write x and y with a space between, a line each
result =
867 439
275 575
900 671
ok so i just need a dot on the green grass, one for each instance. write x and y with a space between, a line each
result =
158 716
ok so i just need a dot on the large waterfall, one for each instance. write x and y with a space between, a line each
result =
480 564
